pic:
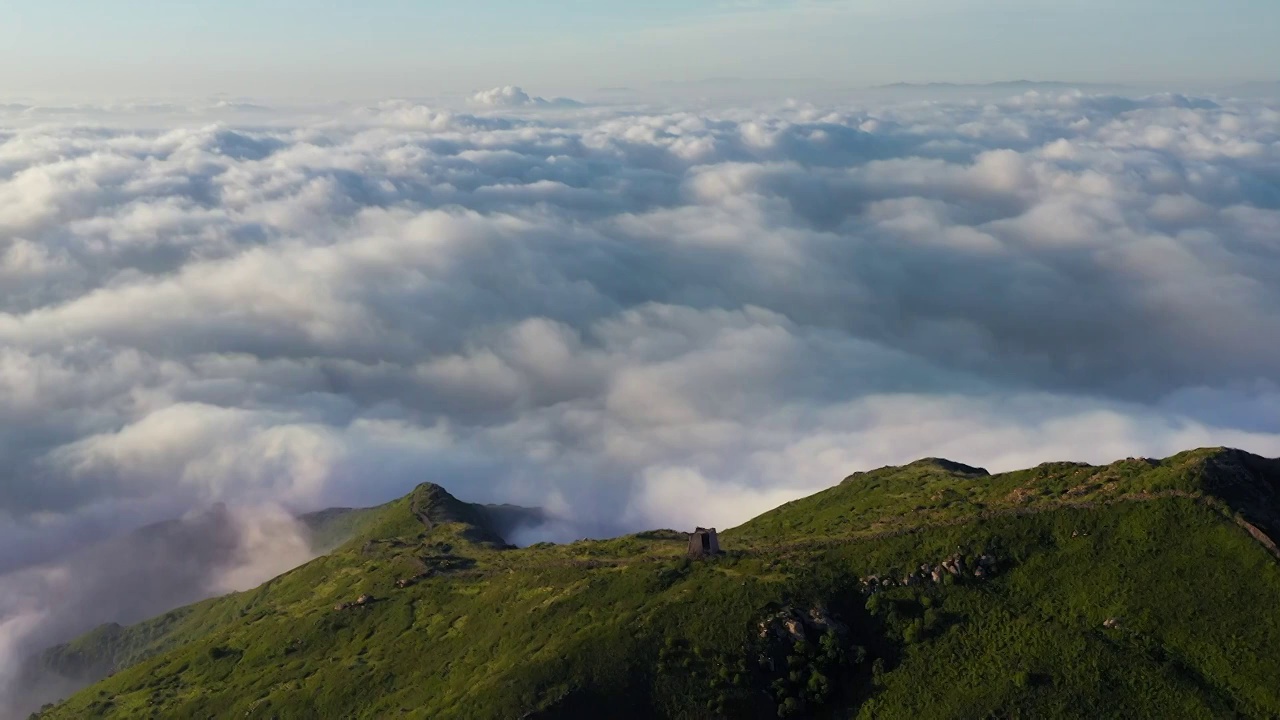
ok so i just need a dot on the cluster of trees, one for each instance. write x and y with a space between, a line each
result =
912 619
800 677
812 671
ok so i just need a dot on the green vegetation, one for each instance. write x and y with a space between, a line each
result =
330 528
1139 589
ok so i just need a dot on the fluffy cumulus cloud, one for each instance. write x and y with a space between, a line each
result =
634 317
509 96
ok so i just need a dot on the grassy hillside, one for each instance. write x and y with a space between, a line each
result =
930 590
111 646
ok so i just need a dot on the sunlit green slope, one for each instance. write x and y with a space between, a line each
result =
1139 589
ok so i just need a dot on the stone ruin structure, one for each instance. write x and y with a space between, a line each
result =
703 542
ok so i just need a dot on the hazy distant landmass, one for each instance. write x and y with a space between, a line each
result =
999 85
714 81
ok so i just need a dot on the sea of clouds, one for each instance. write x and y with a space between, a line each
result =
635 316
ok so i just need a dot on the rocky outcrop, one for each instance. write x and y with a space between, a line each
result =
957 566
793 624
360 602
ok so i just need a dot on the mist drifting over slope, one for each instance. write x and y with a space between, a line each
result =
129 578
633 316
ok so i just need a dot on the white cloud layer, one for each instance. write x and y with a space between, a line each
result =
595 303
641 318
516 306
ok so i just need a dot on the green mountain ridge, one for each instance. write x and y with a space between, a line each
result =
934 589
64 668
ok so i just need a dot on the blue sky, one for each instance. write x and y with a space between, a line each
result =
155 47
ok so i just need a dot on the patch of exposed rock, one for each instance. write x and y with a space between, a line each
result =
795 625
957 566
362 601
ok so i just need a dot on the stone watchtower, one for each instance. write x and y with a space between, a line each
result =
703 542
